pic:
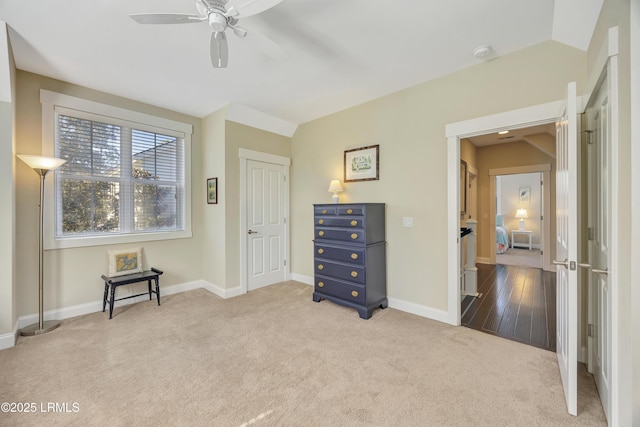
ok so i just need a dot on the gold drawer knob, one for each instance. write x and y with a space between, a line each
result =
320 267
324 211
354 223
354 294
354 256
349 211
321 233
354 236
321 222
320 251
354 274
321 284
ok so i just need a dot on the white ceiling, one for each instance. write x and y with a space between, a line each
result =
340 52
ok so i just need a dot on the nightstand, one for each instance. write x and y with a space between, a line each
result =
524 233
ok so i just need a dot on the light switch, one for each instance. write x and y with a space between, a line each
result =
407 221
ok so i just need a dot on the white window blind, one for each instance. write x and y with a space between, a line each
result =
120 177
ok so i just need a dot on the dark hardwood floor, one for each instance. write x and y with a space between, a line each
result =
517 303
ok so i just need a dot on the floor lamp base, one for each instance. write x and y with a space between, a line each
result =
34 329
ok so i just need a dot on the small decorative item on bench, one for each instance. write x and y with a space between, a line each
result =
124 261
111 283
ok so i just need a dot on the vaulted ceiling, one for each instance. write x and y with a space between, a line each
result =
339 53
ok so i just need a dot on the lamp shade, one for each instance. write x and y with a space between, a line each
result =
41 162
521 213
335 186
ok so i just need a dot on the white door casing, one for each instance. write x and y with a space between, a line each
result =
264 229
454 132
567 248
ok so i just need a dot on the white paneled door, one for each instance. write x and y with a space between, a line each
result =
265 224
567 248
598 115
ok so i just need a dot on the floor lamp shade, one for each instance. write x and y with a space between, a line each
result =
41 165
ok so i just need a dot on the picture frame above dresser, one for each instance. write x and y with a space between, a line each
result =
350 256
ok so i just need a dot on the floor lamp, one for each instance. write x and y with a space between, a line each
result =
42 165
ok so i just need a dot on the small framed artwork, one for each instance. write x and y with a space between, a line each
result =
212 191
525 195
124 261
362 164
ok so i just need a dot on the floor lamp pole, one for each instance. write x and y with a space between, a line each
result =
41 327
41 165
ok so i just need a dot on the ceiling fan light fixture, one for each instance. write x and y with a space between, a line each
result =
217 22
482 52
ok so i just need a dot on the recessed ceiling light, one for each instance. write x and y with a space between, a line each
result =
503 132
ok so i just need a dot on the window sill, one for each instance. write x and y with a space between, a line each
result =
81 242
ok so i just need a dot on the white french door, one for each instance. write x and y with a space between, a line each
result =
567 248
598 115
265 224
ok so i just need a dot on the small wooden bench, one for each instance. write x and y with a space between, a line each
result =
113 282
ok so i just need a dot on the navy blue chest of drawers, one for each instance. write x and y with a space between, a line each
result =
350 255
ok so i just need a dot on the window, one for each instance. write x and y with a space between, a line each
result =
124 179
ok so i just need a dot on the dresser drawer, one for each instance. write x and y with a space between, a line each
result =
352 273
325 210
342 254
340 221
339 289
350 210
345 235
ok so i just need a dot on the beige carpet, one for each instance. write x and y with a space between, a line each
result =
274 357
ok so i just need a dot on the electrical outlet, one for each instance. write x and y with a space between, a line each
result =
407 221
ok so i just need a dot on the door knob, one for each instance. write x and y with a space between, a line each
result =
252 232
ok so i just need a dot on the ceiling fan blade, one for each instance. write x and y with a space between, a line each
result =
219 50
250 7
166 18
266 45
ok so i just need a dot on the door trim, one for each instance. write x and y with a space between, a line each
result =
245 155
524 117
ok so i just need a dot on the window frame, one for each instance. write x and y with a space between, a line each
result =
52 100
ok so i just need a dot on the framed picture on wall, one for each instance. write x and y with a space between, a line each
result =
362 164
212 191
525 195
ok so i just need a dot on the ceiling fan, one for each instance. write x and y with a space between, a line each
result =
220 15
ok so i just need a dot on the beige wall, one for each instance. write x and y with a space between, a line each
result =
214 254
242 136
500 156
72 276
409 126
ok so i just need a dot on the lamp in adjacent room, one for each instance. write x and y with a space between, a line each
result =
41 165
522 214
335 188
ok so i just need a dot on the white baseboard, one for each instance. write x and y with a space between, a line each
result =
96 306
398 304
419 310
9 340
302 279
